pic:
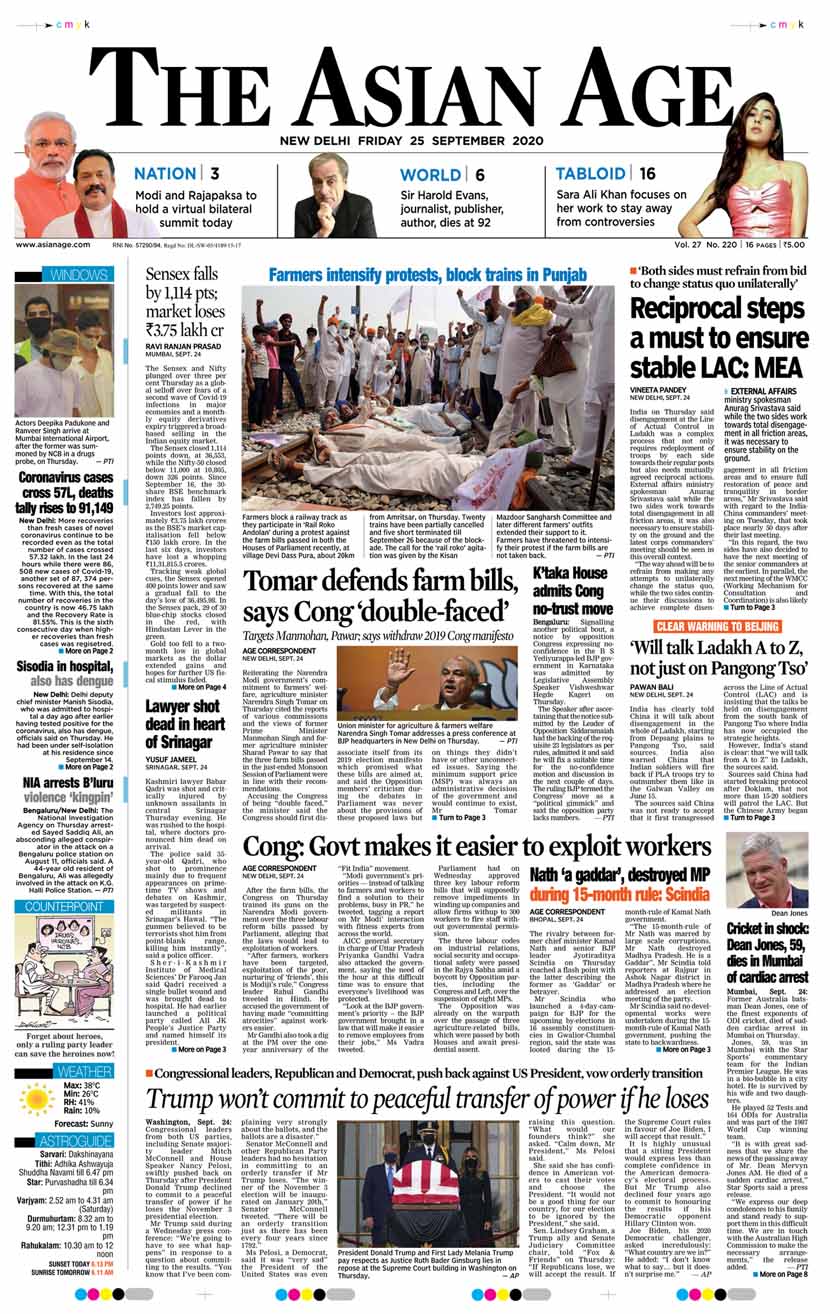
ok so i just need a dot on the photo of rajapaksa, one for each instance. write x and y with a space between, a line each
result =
52 205
428 398
428 683
767 869
64 367
432 1183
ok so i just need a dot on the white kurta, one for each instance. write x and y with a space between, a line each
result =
100 225
599 309
348 360
566 393
421 374
364 372
429 418
310 370
330 361
464 367
452 365
381 374
367 362
520 349
373 437
437 474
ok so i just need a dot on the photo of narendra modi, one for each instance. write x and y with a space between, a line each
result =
68 189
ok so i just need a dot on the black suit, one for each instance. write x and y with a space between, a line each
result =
376 1200
353 218
420 1152
800 900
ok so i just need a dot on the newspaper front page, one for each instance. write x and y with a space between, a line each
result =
416 756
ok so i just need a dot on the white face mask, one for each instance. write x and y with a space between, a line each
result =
88 344
60 362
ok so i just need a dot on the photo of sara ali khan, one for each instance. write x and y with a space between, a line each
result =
764 194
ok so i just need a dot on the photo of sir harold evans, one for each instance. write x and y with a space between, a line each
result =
331 210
